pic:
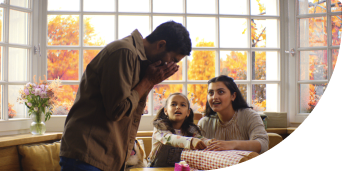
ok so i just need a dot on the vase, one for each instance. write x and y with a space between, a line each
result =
38 126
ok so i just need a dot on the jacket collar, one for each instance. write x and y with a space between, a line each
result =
138 43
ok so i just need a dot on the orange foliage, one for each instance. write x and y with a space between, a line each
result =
64 30
11 111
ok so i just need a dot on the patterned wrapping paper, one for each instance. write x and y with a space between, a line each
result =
208 160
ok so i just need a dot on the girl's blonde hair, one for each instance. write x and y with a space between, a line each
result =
189 121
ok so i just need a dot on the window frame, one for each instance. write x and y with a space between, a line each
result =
39 63
18 125
296 117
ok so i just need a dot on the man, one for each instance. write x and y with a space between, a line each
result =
102 124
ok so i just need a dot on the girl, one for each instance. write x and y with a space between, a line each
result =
230 120
174 130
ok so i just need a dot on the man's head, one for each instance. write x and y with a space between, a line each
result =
169 42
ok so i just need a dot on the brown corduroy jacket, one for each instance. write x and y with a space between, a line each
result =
102 124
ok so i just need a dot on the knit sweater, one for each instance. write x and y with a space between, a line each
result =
246 124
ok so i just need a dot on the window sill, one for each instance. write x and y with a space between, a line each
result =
13 140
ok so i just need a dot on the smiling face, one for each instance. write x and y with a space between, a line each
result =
177 108
219 97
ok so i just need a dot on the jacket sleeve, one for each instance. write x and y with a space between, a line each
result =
119 98
256 130
167 138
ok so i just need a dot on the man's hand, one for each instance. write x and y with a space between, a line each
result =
197 144
156 73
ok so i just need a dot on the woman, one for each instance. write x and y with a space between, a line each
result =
230 120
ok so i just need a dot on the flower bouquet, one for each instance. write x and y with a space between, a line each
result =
39 99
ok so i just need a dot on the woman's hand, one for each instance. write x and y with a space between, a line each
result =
197 144
219 145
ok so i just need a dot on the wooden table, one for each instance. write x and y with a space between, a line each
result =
154 169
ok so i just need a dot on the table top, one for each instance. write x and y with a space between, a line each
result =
154 169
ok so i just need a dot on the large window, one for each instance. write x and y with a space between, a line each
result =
318 25
240 40
15 55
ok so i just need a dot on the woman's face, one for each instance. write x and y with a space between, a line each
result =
219 97
177 108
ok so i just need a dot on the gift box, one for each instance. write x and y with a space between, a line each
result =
209 160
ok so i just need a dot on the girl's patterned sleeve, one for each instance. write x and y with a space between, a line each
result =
168 138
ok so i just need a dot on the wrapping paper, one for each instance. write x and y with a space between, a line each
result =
208 160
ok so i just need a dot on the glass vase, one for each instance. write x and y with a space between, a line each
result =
38 126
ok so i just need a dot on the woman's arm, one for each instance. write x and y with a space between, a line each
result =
247 145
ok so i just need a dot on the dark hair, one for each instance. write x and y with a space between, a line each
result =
189 121
238 103
176 36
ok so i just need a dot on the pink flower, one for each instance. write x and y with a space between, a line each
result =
37 91
29 104
36 109
28 85
26 91
43 94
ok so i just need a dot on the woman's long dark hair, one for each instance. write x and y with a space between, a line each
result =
238 103
189 121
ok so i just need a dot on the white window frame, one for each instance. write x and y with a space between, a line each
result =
18 125
39 64
296 118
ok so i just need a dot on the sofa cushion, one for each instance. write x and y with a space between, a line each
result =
39 157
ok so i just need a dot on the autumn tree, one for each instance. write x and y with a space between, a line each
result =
64 64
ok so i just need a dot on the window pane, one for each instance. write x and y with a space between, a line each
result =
63 5
336 26
18 27
65 99
20 3
312 6
63 30
239 7
313 32
15 110
310 95
2 1
127 24
234 64
264 7
17 64
233 36
243 90
201 65
179 74
134 6
264 62
99 5
96 31
168 6
157 20
161 92
202 29
313 65
264 33
197 95
336 5
88 55
259 97
1 24
62 64
201 6
334 57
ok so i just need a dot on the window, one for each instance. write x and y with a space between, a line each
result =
318 27
15 54
243 41
226 40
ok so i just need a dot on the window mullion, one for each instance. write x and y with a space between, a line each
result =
80 53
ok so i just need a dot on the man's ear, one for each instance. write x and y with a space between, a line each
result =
161 45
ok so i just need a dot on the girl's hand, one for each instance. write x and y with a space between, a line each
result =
219 145
210 141
197 144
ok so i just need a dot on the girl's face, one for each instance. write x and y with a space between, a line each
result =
177 108
219 97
